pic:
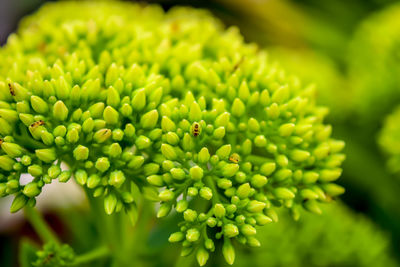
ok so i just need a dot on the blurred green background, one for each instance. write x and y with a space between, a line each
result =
350 50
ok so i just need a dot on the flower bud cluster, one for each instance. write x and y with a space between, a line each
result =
54 255
389 140
176 109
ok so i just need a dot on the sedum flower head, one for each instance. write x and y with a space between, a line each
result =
168 105
389 140
374 64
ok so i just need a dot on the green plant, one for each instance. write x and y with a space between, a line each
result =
170 107
313 68
374 64
389 140
312 241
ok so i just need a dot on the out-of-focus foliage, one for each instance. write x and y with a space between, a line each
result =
316 68
374 65
389 140
339 238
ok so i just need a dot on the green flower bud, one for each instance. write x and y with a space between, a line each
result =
224 183
243 191
168 151
129 130
262 219
206 193
219 133
19 202
230 170
248 230
192 235
110 203
219 210
136 162
110 115
139 100
228 251
176 237
223 152
163 210
202 256
47 154
308 194
167 125
155 180
117 178
6 128
330 175
11 149
196 173
204 156
26 160
332 189
260 141
312 206
113 97
102 135
255 206
93 181
283 193
39 105
114 150
81 177
253 242
31 190
81 153
102 164
73 136
181 206
166 195
60 111
54 171
222 120
192 191
96 110
64 176
178 174
34 170
149 119
142 142
190 215
60 131
231 230
258 181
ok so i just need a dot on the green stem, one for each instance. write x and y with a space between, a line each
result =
210 183
44 231
91 256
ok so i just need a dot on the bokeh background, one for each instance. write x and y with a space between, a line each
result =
330 43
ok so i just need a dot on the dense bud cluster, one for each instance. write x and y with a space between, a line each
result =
53 255
374 64
169 106
389 140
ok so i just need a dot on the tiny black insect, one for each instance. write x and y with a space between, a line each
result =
37 123
196 129
12 91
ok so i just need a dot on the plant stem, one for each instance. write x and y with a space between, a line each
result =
90 256
209 181
41 227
